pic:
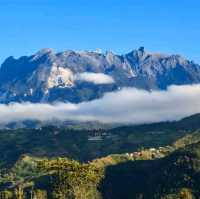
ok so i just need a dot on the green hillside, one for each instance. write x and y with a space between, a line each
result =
157 161
84 145
172 174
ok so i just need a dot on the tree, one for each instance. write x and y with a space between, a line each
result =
6 194
72 180
39 194
19 192
185 194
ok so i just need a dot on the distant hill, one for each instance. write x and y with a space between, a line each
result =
90 143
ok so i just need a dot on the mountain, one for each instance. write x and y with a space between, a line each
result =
72 76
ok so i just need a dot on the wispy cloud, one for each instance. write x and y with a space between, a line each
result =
126 106
95 78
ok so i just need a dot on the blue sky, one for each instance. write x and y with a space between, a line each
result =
170 26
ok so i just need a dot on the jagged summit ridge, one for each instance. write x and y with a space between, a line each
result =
50 76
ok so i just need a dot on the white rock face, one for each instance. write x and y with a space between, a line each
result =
110 57
31 91
60 77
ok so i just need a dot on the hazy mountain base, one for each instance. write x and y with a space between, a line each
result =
164 173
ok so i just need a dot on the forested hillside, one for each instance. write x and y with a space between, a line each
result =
162 173
165 169
84 145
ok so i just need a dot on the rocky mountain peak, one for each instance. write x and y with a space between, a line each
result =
44 51
52 76
47 53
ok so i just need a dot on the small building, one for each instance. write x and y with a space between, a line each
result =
95 138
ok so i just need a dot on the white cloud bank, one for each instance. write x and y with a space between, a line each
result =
126 106
95 78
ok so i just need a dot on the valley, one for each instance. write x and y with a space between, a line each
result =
148 161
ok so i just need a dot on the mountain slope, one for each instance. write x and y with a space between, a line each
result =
175 176
72 76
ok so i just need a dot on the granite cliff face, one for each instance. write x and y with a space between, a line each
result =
81 76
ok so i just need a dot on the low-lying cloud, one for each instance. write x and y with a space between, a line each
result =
95 78
126 106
